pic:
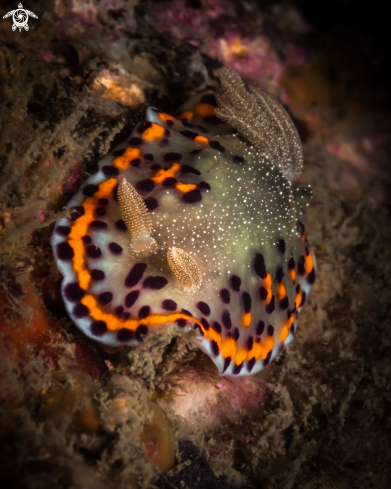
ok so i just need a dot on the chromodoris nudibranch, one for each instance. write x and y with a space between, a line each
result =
187 223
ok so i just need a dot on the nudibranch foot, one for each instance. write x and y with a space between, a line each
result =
203 212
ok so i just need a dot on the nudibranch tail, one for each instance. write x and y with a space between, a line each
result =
185 223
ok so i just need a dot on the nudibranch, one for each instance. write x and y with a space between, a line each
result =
193 221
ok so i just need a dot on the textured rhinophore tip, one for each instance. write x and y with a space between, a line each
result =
263 121
185 269
137 219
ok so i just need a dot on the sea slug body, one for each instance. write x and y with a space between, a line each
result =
186 223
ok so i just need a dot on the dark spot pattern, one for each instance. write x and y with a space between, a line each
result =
303 299
97 275
100 211
203 307
145 185
155 283
270 330
189 134
196 151
124 335
279 275
281 246
135 141
192 196
237 369
120 225
115 248
105 298
227 363
263 293
89 189
204 185
226 319
216 326
149 157
65 251
135 274
76 212
260 328
259 266
215 348
250 364
311 276
172 157
284 303
216 145
151 203
80 310
205 324
181 322
301 266
267 359
169 305
98 225
209 98
236 334
119 310
110 170
270 308
93 251
225 296
86 239
103 201
169 182
249 343
141 332
246 297
131 298
239 160
190 169
143 126
136 162
98 328
119 152
144 312
235 282
63 230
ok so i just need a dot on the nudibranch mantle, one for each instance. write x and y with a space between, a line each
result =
215 209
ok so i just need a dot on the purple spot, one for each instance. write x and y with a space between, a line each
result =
203 307
311 277
216 145
263 293
110 170
250 364
136 162
151 203
227 363
204 185
246 302
80 310
270 308
279 275
120 225
63 230
190 169
205 324
65 251
181 322
186 312
209 98
98 225
235 282
298 288
169 122
98 328
267 359
186 123
135 274
93 251
172 157
155 283
169 305
301 266
284 304
281 246
215 348
259 265
216 326
145 185
119 152
124 335
119 310
103 201
260 328
97 275
141 331
236 334
169 182
196 151
149 157
90 189
225 296
144 312
143 126
135 141
100 211
303 299
105 298
226 318
189 134
156 166
76 212
249 343
197 327
239 160
115 248
87 239
192 196
237 369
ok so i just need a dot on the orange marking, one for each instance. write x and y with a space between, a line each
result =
204 109
124 161
284 333
165 117
201 139
267 346
281 291
185 187
267 283
80 229
246 319
162 174
229 348
298 300
153 132
303 238
241 356
186 115
292 274
309 263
